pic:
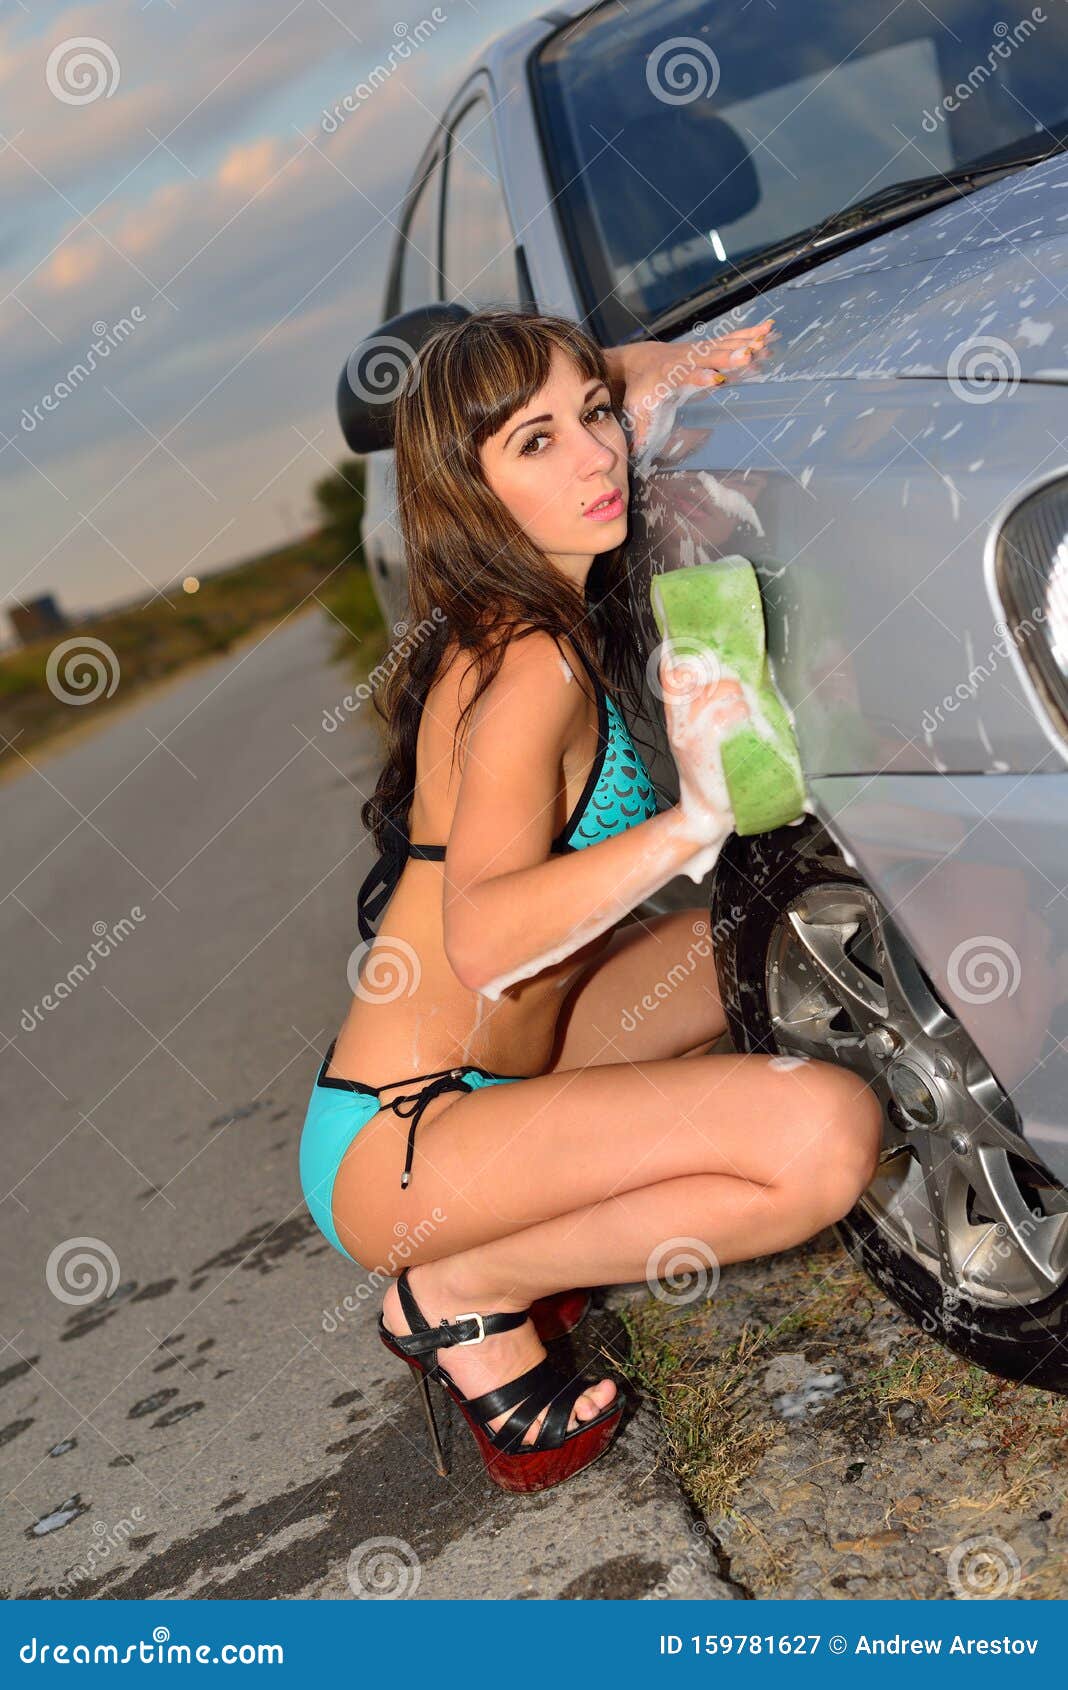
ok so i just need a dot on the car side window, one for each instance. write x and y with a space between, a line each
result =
479 255
419 246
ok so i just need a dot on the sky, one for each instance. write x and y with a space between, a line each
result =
168 190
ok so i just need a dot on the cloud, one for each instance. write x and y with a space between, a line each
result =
74 265
188 76
251 167
254 276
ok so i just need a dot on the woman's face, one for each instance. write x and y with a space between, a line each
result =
554 462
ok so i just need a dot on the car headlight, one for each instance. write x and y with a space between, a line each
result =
1031 576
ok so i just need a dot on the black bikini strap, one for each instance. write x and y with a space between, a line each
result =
376 889
380 881
413 1103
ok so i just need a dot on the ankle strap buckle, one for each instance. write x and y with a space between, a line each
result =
481 1328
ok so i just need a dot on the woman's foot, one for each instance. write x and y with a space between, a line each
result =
498 1359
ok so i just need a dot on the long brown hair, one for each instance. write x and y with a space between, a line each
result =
473 572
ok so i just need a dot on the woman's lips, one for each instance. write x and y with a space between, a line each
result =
609 511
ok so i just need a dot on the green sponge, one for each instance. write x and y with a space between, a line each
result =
717 607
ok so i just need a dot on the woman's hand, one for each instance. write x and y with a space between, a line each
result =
649 370
700 709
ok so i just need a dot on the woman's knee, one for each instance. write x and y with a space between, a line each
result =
844 1122
854 1141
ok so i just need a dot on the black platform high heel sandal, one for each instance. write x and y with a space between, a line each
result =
556 1453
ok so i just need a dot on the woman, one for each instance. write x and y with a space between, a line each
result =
555 1149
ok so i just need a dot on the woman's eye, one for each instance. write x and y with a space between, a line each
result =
526 450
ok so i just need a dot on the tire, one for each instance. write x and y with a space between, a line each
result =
963 1228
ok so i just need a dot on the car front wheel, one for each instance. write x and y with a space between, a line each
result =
962 1226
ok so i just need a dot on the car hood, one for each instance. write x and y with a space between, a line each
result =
977 288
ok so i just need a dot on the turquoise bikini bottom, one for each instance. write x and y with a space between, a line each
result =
339 1108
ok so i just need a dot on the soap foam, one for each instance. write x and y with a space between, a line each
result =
658 861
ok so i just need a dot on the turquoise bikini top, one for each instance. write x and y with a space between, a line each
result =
618 794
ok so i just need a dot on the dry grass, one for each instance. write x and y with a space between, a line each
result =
702 1366
156 639
713 1442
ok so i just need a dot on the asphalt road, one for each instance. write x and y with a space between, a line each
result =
179 1414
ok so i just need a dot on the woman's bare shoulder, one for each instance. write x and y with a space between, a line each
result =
537 671
540 666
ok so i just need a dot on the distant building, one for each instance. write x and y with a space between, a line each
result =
37 618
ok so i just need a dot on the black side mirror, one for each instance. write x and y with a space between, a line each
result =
374 373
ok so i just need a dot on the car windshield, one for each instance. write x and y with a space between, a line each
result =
683 139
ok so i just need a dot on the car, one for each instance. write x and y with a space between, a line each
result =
892 187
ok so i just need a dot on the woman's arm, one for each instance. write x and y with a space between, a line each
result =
643 372
511 909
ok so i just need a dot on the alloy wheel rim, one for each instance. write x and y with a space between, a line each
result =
957 1188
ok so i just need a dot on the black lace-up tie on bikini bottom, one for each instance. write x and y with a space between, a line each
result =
448 1079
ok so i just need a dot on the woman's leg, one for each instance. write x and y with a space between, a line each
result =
622 1239
646 1234
652 993
620 1160
492 1161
